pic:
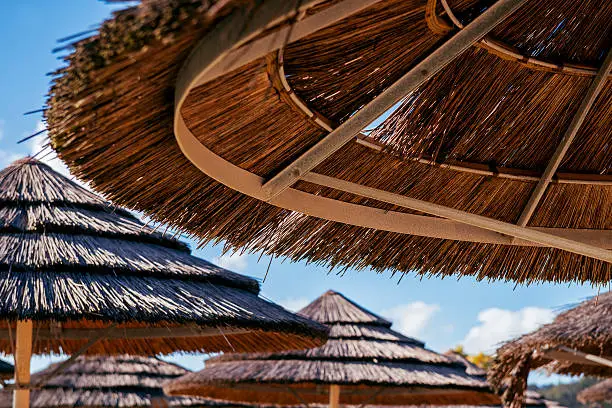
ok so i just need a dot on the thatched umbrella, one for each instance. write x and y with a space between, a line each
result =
578 341
364 362
496 164
78 275
598 393
108 382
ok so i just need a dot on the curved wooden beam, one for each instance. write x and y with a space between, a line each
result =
202 67
278 78
507 52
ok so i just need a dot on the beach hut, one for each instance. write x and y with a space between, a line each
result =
78 275
364 362
577 342
597 394
108 382
495 164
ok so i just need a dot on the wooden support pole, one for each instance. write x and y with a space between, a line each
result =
587 102
334 396
414 78
23 355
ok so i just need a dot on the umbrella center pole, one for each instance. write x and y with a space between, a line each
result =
23 355
334 396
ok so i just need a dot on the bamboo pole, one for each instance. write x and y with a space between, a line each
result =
334 396
23 355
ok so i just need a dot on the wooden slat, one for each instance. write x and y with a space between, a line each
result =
130 333
491 224
334 396
587 102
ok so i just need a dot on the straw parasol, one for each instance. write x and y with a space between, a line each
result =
364 362
108 382
78 275
496 163
600 392
578 341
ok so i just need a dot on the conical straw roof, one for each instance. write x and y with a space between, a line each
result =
586 328
598 393
108 382
370 362
495 165
71 262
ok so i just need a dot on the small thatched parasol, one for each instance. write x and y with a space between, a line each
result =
364 362
240 120
578 341
78 275
598 393
108 382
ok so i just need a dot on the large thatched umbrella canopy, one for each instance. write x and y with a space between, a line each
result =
78 275
364 362
496 164
598 393
108 382
578 341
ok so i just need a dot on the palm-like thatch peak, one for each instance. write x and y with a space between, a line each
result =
70 260
108 382
371 362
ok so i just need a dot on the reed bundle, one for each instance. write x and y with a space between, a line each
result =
111 119
586 328
70 260
383 367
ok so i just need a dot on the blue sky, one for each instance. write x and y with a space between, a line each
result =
443 313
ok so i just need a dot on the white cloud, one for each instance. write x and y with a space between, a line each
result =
499 325
294 304
412 318
234 262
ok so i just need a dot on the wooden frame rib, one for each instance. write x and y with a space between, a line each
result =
587 102
277 73
210 60
461 216
566 354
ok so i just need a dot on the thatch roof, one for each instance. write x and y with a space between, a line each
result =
372 363
69 260
476 137
586 328
598 393
108 382
470 367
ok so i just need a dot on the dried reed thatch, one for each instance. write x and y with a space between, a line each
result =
108 382
69 260
494 115
370 362
598 393
586 328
